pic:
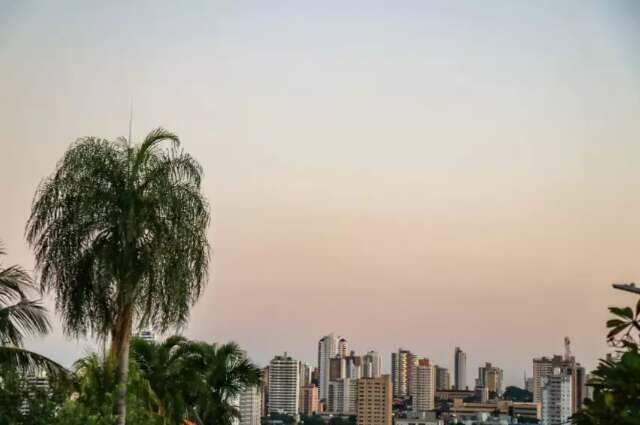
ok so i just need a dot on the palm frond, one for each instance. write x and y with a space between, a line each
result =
23 318
147 148
29 362
14 281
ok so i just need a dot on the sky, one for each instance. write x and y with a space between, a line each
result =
424 174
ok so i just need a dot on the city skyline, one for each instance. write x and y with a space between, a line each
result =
427 176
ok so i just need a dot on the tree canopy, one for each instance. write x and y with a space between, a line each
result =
119 234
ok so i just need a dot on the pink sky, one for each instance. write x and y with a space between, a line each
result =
424 176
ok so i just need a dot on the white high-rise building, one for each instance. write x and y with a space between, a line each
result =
305 374
146 335
556 398
343 347
371 365
545 366
250 405
460 369
342 396
327 349
425 392
284 385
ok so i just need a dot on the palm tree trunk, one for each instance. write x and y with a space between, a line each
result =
120 349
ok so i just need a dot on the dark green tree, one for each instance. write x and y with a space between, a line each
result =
21 316
275 417
224 372
616 381
194 380
517 394
342 420
170 373
22 402
119 234
313 420
96 388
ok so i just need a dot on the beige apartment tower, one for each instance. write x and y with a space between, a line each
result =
425 393
374 403
309 404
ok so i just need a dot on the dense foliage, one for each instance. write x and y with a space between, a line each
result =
119 233
616 382
195 380
21 316
517 394
168 382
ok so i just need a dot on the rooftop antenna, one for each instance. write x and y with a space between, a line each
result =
130 122
567 348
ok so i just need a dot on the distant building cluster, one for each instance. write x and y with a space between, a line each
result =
416 392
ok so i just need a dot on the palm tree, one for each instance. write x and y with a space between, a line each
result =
225 372
195 380
162 364
21 316
119 234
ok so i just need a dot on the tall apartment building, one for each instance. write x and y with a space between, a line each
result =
412 378
284 385
400 372
145 335
345 367
443 378
460 369
305 374
342 395
423 399
545 366
353 366
343 347
528 384
250 406
310 400
327 349
371 365
556 397
374 401
490 377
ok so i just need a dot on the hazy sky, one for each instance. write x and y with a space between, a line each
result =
408 173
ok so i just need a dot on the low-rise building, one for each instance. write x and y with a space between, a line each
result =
421 418
454 394
519 410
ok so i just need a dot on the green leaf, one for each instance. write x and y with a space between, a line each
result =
615 331
609 400
638 308
615 323
622 312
